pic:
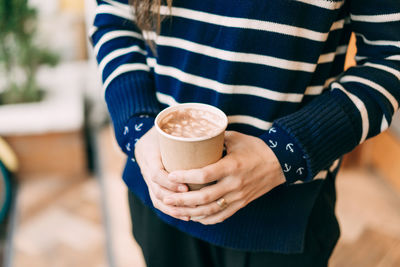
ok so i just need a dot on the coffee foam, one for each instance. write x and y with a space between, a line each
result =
191 123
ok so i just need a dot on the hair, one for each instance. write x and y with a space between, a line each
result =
148 17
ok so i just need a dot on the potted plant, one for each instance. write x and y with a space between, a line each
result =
41 108
20 55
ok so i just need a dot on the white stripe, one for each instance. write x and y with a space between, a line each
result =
263 125
394 57
337 25
244 23
395 72
126 7
331 5
151 62
112 35
361 108
376 18
123 69
378 42
321 175
384 124
329 57
92 30
314 90
226 88
243 119
317 89
117 53
233 56
359 58
112 10
166 99
334 165
377 87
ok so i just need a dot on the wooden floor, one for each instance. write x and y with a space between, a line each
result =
93 217
371 249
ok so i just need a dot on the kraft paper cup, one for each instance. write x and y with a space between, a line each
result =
180 153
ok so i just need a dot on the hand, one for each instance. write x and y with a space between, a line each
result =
248 171
148 157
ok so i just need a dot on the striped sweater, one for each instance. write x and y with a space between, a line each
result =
265 64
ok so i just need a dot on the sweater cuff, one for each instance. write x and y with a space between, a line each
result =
323 131
130 94
136 127
289 154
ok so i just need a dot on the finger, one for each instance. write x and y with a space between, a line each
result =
230 139
208 194
208 174
222 215
198 211
212 207
169 210
160 177
160 192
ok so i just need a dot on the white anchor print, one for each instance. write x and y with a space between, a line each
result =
128 146
287 168
133 159
143 116
300 170
272 130
273 144
290 147
126 130
136 139
138 127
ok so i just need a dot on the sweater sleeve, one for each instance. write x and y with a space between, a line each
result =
121 55
361 101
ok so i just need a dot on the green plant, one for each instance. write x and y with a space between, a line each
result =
20 55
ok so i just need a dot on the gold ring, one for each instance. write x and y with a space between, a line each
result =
222 203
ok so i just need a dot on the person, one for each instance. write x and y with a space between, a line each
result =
276 69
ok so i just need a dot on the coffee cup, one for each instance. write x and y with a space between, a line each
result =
191 136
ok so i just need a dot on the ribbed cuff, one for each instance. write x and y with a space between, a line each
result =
130 94
323 131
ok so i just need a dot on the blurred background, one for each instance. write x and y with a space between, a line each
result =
62 201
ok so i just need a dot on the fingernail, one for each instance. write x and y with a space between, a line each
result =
182 188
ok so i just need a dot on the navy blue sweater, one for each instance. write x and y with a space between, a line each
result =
266 64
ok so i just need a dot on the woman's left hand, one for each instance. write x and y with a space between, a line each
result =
249 170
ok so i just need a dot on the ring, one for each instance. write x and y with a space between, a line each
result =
222 203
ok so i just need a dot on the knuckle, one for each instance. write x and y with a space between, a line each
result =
237 183
241 194
237 165
203 177
157 192
205 198
212 210
180 202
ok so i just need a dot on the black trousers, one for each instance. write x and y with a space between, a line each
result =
165 246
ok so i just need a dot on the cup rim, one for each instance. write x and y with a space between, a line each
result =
207 107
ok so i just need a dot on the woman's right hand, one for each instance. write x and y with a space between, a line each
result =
148 157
